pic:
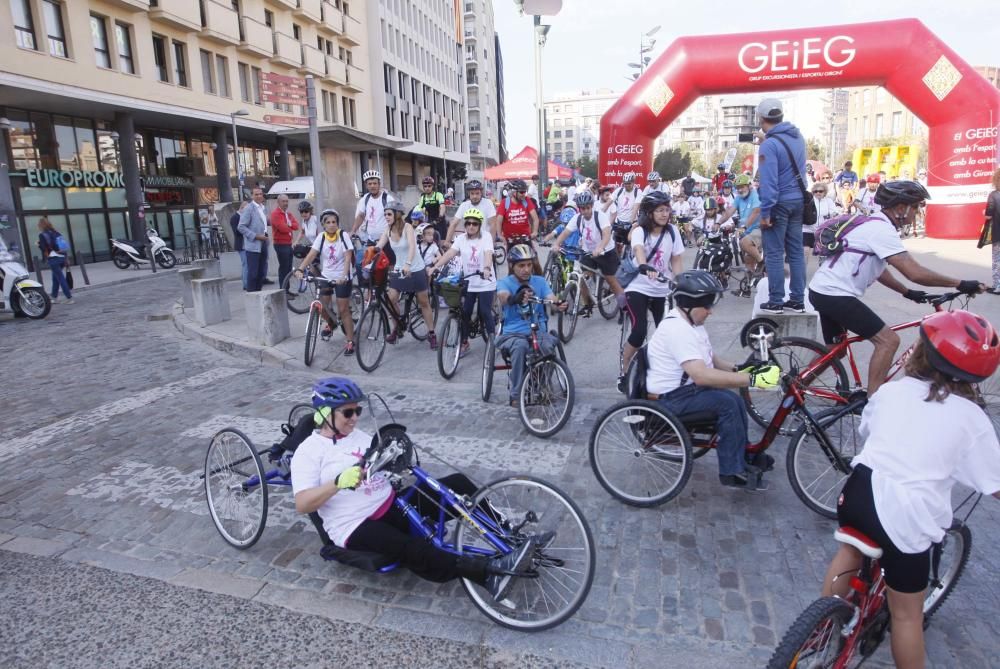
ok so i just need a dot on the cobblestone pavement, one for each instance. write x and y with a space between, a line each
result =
107 416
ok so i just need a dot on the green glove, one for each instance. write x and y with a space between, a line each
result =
349 478
765 376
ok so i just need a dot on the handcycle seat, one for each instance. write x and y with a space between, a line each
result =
852 537
699 421
366 560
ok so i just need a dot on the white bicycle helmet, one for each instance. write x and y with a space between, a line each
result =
371 174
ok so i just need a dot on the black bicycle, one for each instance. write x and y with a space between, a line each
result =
381 317
453 290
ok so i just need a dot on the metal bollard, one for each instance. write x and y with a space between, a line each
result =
83 268
37 262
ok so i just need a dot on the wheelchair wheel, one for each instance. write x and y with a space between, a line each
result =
489 362
546 399
298 412
449 347
640 453
237 498
561 570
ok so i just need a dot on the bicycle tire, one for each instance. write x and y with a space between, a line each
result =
369 337
312 336
432 298
798 352
357 304
298 297
489 365
607 301
566 565
567 319
553 273
634 446
813 472
415 320
959 533
230 463
546 383
814 627
449 346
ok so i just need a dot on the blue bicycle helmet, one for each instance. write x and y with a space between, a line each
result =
416 216
584 199
520 252
335 391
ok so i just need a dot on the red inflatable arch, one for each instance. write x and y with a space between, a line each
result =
960 107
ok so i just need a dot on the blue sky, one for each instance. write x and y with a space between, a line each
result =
591 41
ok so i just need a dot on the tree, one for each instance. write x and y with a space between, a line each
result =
814 150
672 164
585 165
456 172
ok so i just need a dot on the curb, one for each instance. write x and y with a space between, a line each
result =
264 355
131 279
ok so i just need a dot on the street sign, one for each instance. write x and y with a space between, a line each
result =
286 120
271 77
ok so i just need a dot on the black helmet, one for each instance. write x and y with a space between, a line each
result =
584 198
891 193
721 166
697 288
475 184
519 185
653 200
305 205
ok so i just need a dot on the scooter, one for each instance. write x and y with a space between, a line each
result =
128 253
22 295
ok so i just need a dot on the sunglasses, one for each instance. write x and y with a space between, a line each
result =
819 192
351 413
472 223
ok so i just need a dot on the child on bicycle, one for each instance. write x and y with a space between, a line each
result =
923 434
427 243
358 512
336 256
513 292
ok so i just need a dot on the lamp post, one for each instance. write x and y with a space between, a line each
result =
538 9
236 146
646 44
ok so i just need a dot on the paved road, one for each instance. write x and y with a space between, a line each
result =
106 420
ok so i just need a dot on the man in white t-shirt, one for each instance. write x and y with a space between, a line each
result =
840 282
371 209
596 241
686 376
626 198
474 192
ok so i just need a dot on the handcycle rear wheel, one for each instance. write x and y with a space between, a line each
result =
546 399
312 336
817 477
489 363
449 346
234 488
814 639
298 412
640 453
952 554
370 337
567 319
561 571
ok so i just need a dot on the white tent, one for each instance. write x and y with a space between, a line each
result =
700 179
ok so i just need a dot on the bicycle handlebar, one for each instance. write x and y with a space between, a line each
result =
938 300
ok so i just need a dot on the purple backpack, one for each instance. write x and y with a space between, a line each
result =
831 238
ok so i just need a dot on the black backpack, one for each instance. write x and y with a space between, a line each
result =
385 199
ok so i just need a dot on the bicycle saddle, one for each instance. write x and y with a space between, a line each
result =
851 537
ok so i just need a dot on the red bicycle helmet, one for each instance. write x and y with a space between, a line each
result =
874 178
961 344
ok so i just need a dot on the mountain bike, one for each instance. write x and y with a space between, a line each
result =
381 317
300 293
625 321
318 313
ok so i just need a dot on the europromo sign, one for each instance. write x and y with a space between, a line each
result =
73 179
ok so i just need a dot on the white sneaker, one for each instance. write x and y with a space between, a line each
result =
54 300
70 301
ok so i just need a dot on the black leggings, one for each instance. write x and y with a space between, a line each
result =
390 536
485 302
636 306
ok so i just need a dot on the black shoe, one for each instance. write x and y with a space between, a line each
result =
503 570
797 307
622 386
773 307
761 461
586 312
859 400
751 480
267 282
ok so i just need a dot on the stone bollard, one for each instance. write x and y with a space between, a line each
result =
211 304
267 317
790 323
211 266
187 276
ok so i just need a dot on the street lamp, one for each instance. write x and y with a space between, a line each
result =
540 8
236 146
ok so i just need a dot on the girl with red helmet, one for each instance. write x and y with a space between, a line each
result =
922 435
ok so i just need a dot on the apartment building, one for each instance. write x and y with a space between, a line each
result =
420 96
696 129
501 116
121 112
482 79
573 124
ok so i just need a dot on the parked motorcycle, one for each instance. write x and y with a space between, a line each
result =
21 294
128 253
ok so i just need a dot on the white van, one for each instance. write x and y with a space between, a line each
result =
298 189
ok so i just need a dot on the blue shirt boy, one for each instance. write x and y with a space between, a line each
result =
517 319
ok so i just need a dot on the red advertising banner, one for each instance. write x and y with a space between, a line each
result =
286 120
959 106
283 79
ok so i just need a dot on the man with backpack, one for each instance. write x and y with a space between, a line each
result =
516 215
371 209
855 252
55 250
626 201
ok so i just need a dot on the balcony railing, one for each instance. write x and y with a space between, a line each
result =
222 23
287 50
332 20
310 9
336 70
313 61
183 14
352 31
257 38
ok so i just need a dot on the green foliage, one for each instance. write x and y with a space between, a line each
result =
815 150
672 164
586 165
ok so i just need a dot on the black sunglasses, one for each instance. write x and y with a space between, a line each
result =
351 413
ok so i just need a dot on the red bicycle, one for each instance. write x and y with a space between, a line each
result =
833 631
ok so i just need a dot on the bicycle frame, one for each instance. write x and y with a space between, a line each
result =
868 597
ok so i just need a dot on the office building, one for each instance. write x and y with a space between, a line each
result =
573 124
482 80
502 155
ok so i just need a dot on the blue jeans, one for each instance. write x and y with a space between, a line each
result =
256 269
485 302
731 421
516 347
243 263
783 242
58 278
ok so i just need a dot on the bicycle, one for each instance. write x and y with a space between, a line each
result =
833 630
318 312
300 294
453 290
519 507
626 323
547 391
381 317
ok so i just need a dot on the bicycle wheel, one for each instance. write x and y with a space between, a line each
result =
298 412
640 453
357 304
561 571
237 500
449 346
546 397
553 273
489 363
312 336
818 461
567 319
369 337
415 321
626 330
432 298
607 301
298 297
951 555
796 353
989 396
814 639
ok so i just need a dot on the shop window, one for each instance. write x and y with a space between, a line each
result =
52 13
41 199
24 27
116 197
99 36
123 35
84 198
22 141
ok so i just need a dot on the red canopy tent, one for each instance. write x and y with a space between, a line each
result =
523 166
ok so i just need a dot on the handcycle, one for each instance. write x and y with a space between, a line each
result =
833 631
453 289
642 453
519 507
547 391
317 311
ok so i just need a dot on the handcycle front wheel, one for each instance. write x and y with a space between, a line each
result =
640 453
235 488
561 571
814 639
546 398
819 461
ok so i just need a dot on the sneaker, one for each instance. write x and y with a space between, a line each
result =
993 291
465 349
773 307
515 403
267 282
504 569
432 340
751 480
392 337
797 307
622 387
54 300
586 311
70 301
326 333
349 348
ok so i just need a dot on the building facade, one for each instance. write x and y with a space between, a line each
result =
482 81
696 129
874 116
573 124
502 155
120 113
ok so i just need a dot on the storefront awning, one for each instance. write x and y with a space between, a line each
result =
347 139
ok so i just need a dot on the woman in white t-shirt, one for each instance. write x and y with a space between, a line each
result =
658 249
475 251
335 255
923 434
409 268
